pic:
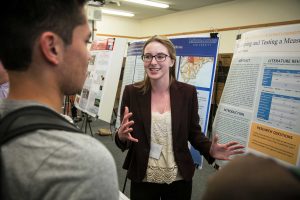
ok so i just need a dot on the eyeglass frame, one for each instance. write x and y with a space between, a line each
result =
155 56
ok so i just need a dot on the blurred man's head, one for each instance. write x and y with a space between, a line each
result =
50 33
24 20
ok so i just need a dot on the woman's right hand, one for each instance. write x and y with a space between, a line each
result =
124 130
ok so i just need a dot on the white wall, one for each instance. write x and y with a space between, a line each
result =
122 26
224 15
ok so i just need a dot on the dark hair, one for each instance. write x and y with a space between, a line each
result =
23 21
145 84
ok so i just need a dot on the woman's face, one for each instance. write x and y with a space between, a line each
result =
157 67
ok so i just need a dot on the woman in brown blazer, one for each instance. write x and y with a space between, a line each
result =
159 116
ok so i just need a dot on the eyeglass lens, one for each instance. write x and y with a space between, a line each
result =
158 57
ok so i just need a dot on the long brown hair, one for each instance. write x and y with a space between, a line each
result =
145 84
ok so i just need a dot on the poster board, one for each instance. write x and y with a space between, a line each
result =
195 65
99 90
260 104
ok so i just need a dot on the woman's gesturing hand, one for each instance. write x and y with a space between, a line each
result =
224 151
125 128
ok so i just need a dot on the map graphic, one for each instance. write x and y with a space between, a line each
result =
196 70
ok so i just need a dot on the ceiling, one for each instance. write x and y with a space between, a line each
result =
144 12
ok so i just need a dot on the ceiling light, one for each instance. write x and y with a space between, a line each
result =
117 12
96 3
150 3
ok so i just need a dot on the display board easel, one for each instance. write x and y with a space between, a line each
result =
99 90
86 122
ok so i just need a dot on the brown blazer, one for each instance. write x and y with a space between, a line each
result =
185 127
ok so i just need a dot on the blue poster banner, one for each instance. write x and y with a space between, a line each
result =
196 46
196 64
135 49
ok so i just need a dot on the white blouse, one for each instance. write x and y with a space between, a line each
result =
163 169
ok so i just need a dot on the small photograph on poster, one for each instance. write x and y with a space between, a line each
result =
110 43
85 93
99 45
103 44
92 60
196 70
97 102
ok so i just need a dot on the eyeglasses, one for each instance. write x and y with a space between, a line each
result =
158 57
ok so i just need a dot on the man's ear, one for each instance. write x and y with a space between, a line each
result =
50 44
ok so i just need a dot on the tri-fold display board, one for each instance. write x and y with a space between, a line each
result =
99 90
260 104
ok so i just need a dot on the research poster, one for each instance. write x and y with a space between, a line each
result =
99 89
260 105
195 65
196 62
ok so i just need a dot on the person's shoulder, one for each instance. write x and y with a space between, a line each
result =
129 86
85 157
93 150
8 105
132 88
182 84
68 144
76 147
178 85
80 142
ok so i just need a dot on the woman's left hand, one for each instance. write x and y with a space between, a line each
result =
224 151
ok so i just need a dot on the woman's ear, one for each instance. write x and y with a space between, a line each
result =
173 61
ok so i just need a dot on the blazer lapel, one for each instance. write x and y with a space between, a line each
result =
144 101
175 108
